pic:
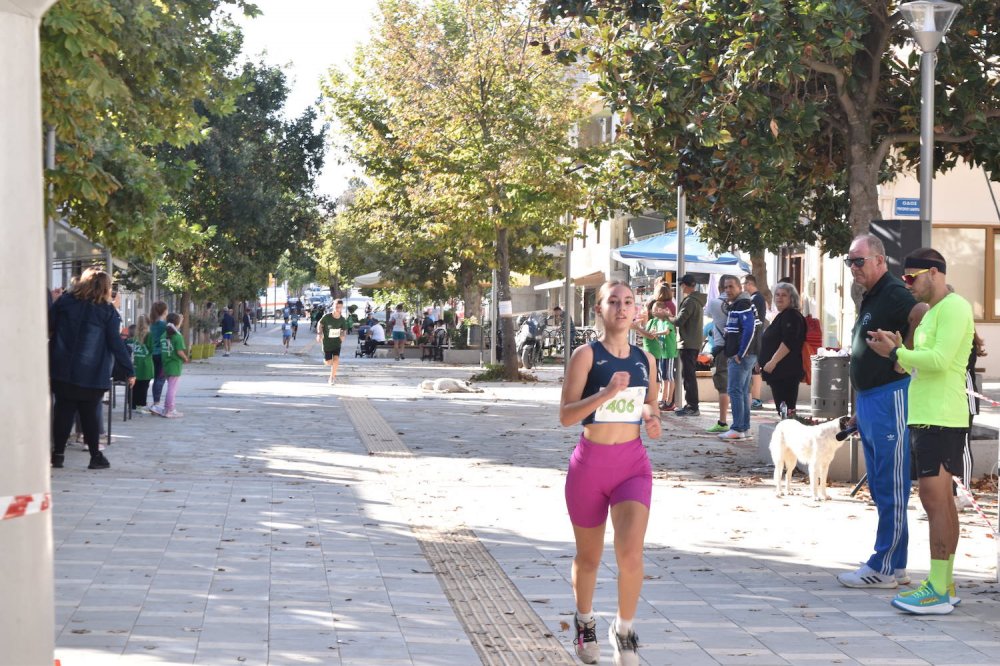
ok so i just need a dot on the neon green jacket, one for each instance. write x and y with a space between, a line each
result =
937 363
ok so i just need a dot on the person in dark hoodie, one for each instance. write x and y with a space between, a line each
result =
84 339
228 328
689 321
742 347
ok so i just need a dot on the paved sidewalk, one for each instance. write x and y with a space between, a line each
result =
260 529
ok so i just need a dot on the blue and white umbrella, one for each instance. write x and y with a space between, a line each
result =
660 253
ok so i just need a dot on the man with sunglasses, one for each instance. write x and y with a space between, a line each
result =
938 418
880 411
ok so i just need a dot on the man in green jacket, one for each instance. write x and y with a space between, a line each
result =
689 322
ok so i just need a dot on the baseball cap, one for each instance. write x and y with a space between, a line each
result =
689 280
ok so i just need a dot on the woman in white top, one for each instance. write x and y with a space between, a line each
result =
398 323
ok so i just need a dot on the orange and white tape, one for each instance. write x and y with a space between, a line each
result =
975 505
984 398
23 505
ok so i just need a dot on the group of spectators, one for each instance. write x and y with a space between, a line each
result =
744 347
86 350
912 367
402 327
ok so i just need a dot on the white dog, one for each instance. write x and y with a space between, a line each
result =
448 385
813 445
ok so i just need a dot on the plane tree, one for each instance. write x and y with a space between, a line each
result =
121 84
462 128
780 119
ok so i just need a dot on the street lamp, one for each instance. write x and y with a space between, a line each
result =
929 20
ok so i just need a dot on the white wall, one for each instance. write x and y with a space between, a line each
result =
960 196
26 589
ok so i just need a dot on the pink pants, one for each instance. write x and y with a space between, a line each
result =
168 402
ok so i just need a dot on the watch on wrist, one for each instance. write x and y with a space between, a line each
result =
893 353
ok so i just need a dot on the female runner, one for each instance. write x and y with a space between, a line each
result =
611 387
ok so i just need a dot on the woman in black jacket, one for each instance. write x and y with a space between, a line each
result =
84 340
780 357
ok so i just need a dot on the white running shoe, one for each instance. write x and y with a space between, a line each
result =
733 435
902 578
624 649
865 576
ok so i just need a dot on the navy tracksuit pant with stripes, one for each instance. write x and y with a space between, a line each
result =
886 440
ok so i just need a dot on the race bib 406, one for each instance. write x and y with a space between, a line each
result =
625 407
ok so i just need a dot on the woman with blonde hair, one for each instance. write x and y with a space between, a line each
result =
84 340
611 388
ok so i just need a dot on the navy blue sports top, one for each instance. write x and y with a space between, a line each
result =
607 364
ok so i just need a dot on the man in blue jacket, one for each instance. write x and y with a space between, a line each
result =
742 344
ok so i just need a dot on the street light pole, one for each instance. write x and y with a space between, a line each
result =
567 302
679 398
927 64
929 20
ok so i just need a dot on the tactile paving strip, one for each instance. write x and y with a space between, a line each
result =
377 435
502 625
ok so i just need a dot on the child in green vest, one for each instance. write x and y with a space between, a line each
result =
660 340
174 358
142 359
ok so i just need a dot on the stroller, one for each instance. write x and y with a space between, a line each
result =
366 348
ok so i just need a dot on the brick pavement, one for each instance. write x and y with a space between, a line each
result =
258 529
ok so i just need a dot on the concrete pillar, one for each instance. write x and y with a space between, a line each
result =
26 590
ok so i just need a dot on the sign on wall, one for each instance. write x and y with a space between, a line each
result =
906 207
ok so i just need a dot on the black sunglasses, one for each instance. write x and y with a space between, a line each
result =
855 262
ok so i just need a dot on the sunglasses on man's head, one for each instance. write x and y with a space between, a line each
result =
855 262
910 278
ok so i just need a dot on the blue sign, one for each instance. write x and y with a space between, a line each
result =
907 207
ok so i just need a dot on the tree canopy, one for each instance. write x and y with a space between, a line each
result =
463 131
120 81
254 186
780 119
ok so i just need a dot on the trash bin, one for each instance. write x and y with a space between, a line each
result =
474 336
830 386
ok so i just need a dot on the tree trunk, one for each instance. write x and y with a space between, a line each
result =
510 360
185 310
472 293
758 268
335 291
862 174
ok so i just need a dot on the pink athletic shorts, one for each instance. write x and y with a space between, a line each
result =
601 476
